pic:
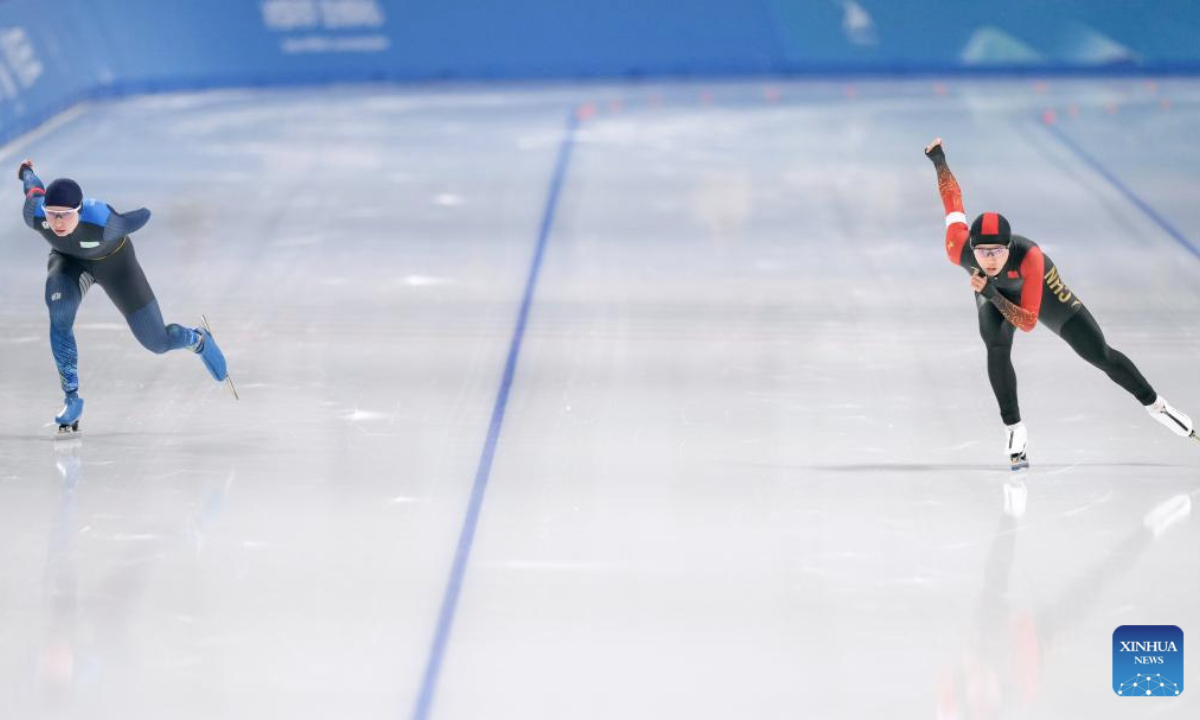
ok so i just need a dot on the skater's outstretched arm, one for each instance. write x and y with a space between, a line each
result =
118 225
34 192
957 231
115 225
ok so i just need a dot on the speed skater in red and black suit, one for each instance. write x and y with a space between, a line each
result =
1017 286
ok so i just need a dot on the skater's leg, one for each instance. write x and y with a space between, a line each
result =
1085 337
66 284
997 334
122 278
147 326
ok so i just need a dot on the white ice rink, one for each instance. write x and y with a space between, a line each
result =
601 402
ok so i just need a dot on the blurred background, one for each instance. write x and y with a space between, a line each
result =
54 55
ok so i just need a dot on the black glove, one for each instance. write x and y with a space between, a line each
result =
27 165
936 155
989 289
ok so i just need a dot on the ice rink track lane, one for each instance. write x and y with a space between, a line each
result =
462 553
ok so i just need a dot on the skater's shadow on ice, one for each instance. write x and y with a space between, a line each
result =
882 467
47 436
902 467
988 468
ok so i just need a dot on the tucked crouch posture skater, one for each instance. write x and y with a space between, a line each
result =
1016 286
90 244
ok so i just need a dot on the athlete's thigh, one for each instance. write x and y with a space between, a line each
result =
993 328
123 280
66 279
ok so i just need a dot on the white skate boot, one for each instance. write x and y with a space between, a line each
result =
1176 422
1018 439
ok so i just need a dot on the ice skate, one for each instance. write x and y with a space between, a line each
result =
1018 439
1175 421
212 356
68 418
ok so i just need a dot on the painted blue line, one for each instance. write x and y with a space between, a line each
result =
1124 190
466 536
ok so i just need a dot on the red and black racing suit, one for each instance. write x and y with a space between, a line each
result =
1027 290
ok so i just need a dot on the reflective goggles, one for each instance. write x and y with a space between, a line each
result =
991 252
61 214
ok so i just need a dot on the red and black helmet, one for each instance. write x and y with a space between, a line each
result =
990 229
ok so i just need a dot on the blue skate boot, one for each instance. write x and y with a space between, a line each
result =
208 351
68 419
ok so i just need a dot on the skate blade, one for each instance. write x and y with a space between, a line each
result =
232 389
66 432
1019 463
228 377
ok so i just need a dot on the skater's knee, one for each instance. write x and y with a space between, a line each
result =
62 311
1100 357
61 303
158 346
157 343
147 326
997 339
61 319
998 347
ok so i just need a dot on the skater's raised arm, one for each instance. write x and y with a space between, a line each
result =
34 192
956 220
113 225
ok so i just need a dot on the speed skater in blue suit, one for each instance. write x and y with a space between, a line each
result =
91 245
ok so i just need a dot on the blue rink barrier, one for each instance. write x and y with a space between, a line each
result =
53 54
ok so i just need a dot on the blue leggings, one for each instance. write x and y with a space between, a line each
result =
121 276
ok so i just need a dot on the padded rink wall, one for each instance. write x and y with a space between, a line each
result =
54 54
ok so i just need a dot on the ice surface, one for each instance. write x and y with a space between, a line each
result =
750 465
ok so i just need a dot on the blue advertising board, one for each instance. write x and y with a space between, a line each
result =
53 55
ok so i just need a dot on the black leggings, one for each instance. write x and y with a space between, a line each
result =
1083 335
